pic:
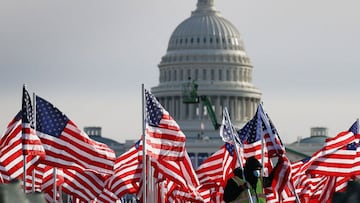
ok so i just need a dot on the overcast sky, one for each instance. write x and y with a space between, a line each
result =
89 58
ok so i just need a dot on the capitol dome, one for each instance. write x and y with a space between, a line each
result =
206 49
206 28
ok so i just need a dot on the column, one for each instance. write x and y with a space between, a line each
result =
218 110
243 109
181 109
191 111
237 109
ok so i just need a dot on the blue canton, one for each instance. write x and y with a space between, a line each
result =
354 129
230 148
351 146
250 132
154 110
49 119
226 130
305 159
137 144
27 110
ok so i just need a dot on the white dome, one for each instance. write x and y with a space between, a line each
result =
204 29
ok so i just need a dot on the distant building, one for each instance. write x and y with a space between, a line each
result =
309 145
94 133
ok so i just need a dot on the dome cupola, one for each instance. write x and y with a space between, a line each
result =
205 29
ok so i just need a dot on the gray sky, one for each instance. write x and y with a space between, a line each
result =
89 58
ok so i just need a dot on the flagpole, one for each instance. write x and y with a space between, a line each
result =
24 181
237 154
144 142
22 137
34 119
54 186
259 127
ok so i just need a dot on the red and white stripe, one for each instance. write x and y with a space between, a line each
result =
74 150
11 156
217 168
165 141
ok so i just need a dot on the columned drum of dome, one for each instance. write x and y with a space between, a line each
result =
206 49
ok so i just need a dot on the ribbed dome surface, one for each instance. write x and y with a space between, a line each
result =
205 28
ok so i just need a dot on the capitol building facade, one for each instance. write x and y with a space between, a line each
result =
206 50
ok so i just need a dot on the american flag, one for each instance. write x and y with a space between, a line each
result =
356 167
311 185
85 185
181 173
67 146
342 161
11 157
107 196
44 181
251 135
214 172
31 143
227 131
331 145
47 176
127 172
216 169
164 138
177 194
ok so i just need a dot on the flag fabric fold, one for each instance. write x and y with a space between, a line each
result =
227 131
31 144
341 162
217 168
11 152
127 172
67 146
164 138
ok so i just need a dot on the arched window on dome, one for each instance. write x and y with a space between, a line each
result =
242 73
235 77
168 75
236 41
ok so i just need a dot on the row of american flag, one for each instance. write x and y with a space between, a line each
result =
42 146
